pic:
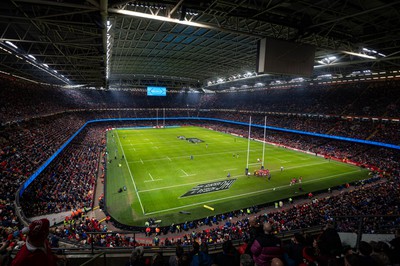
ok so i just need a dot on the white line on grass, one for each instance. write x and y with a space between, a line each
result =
283 161
152 180
188 175
184 172
217 179
199 155
141 161
231 169
130 173
244 194
151 177
169 159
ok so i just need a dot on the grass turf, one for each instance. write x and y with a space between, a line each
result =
156 168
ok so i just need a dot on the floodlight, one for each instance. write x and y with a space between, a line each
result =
11 44
359 55
31 56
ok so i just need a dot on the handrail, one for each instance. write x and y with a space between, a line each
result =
93 258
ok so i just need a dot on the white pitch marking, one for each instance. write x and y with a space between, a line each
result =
152 180
141 161
188 175
151 177
130 173
184 172
244 194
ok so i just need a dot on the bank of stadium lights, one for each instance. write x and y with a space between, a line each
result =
11 48
366 53
372 52
324 76
147 5
246 75
108 51
327 60
296 80
361 73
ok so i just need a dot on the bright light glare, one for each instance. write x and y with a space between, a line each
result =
31 56
359 55
11 44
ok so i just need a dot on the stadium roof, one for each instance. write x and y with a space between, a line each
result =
189 44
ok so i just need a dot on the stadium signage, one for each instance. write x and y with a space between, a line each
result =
209 187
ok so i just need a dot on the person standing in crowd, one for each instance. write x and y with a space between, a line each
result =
266 247
394 253
294 250
365 250
36 251
180 258
329 244
229 256
246 260
137 258
200 255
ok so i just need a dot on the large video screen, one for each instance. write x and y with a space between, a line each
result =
284 57
156 91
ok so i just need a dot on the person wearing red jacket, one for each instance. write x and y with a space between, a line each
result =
36 251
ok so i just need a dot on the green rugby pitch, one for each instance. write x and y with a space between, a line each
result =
157 170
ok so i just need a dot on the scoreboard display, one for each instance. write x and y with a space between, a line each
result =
156 91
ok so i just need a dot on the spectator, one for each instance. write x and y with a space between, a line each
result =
294 251
229 256
329 243
266 247
380 253
352 260
36 251
178 258
277 262
200 255
395 251
246 260
365 250
158 260
137 258
255 230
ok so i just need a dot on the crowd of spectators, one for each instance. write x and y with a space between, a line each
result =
69 181
21 100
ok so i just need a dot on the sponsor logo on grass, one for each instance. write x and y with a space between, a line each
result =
209 187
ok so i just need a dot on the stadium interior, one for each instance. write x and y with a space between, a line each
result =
323 75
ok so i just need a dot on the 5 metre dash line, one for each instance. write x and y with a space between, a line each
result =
184 172
151 177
